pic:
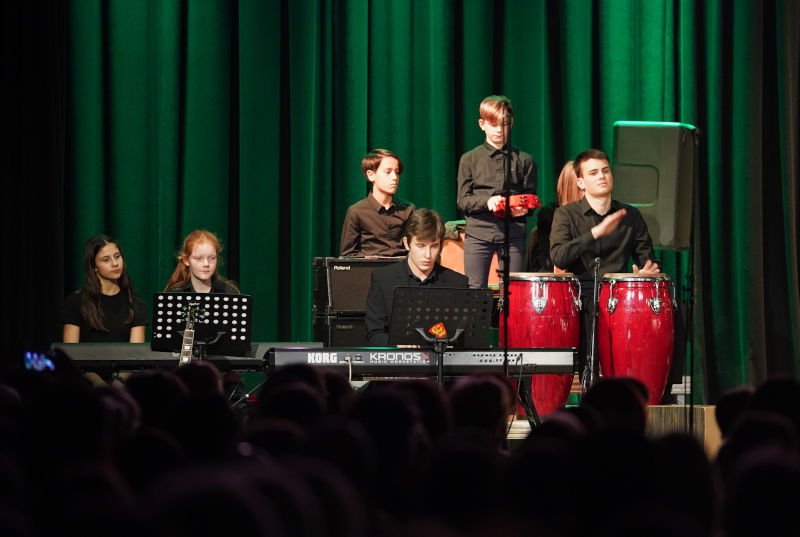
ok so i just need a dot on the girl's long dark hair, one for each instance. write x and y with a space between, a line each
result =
92 292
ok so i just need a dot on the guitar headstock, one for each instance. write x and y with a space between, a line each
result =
191 313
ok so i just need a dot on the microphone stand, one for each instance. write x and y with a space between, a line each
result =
506 254
590 372
523 384
691 276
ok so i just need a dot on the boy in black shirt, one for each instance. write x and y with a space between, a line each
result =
374 226
481 174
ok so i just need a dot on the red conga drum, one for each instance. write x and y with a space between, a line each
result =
544 312
635 329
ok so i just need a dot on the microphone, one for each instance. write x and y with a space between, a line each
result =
596 262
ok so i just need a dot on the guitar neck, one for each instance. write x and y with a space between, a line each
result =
186 346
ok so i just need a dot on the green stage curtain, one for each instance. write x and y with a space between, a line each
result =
249 118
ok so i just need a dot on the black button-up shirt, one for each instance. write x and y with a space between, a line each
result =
573 248
481 172
371 229
381 294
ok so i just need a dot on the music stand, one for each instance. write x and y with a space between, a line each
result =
222 326
466 315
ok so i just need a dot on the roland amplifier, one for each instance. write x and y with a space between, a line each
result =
341 284
340 331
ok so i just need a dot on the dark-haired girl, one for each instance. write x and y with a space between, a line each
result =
105 308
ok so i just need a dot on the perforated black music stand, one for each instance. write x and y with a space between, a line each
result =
222 326
465 313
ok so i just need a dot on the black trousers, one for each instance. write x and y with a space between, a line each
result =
478 259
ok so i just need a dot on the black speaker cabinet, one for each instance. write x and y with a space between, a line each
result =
654 171
335 331
341 284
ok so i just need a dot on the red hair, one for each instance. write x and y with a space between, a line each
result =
567 186
182 274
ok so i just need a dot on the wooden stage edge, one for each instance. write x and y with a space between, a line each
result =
661 420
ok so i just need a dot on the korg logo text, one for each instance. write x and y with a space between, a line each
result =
322 358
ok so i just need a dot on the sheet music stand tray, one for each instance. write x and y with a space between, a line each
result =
223 325
465 313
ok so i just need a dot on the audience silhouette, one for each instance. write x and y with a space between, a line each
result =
165 454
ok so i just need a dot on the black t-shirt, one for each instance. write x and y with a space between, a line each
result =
115 315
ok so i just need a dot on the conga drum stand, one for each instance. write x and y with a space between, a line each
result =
590 370
525 399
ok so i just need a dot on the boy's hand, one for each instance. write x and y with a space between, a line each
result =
493 201
519 211
649 269
609 224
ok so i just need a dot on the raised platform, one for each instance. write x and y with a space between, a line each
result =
662 420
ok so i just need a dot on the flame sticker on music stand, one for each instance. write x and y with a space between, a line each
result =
438 330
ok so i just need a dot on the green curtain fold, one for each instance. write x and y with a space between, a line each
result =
250 118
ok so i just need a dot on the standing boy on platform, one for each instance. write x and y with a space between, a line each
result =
374 226
481 174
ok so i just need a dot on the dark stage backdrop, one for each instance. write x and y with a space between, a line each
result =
146 120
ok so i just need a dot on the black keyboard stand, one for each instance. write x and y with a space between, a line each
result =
526 400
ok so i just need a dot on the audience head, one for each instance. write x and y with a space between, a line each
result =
302 373
157 392
434 408
481 402
754 430
680 459
200 377
278 437
619 403
763 494
339 391
295 401
391 421
730 407
201 501
204 426
779 395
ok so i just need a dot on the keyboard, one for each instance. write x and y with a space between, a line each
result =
135 356
391 361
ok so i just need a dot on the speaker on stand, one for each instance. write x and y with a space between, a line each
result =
655 170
